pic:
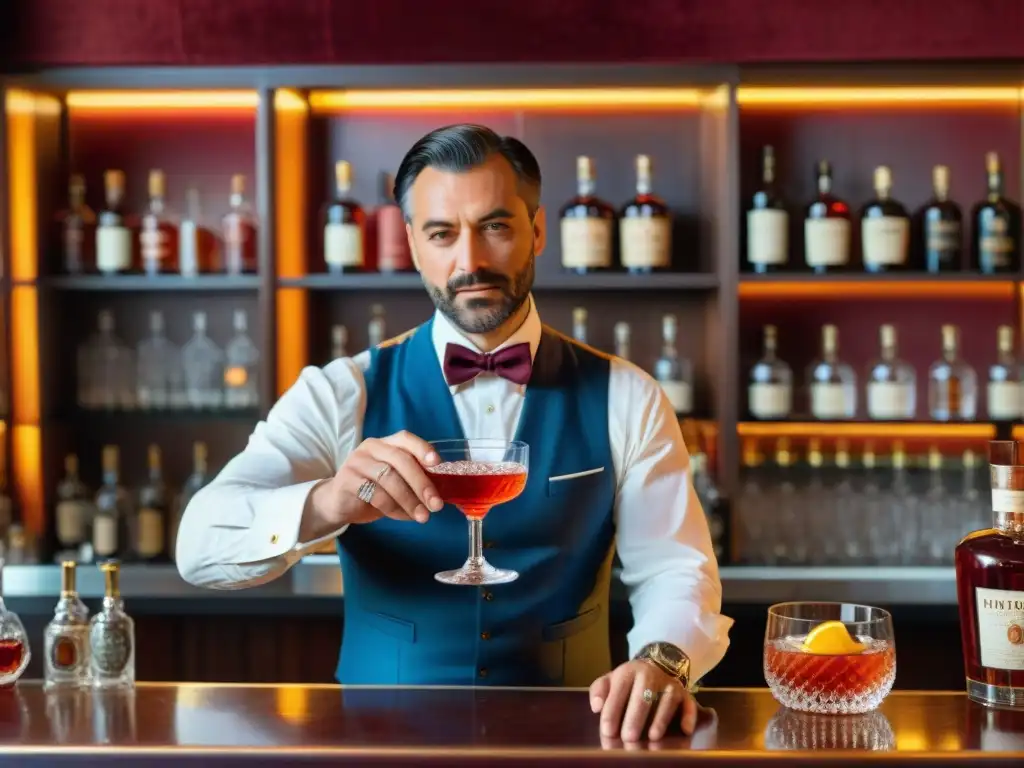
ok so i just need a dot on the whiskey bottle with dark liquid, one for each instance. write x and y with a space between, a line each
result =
996 248
767 222
587 222
827 227
885 228
940 227
645 226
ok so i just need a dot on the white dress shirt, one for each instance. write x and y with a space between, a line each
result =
242 529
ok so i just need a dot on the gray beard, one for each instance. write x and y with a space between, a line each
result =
481 315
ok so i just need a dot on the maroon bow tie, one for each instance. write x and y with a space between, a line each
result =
462 364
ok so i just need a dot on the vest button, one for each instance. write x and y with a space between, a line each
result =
482 672
485 635
488 595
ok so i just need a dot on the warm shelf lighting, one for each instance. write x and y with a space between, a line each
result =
155 101
512 98
880 430
894 96
877 289
27 475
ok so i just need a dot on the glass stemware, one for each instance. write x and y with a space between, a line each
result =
475 475
14 652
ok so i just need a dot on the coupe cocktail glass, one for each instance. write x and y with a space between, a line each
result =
829 658
475 475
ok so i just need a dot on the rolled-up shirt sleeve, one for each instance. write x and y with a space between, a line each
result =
242 529
668 563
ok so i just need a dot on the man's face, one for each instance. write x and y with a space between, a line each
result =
474 243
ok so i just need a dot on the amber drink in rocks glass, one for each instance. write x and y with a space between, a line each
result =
476 475
829 658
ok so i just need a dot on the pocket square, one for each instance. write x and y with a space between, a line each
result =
574 475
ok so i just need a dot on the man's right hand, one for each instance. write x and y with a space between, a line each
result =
404 492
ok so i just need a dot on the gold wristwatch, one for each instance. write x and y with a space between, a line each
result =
668 658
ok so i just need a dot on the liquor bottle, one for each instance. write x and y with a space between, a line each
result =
952 383
393 254
767 222
113 509
203 365
344 226
376 330
66 637
78 226
997 223
714 506
112 636
113 238
238 228
189 232
833 382
339 342
6 502
106 368
827 227
586 222
673 373
195 482
885 228
622 334
892 383
990 588
241 368
158 234
940 227
579 324
645 226
75 510
14 648
151 521
1005 401
157 361
770 391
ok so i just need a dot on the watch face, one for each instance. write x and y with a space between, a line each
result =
673 657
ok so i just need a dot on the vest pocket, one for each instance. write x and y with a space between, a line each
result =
400 629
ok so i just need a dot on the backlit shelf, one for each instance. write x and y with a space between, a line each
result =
611 281
866 430
137 283
867 287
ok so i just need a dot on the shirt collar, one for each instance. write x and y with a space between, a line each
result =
445 333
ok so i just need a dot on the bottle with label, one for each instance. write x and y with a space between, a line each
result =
990 588
190 235
376 329
393 254
673 373
995 248
622 334
113 237
892 382
827 227
579 324
113 509
203 366
1005 396
195 482
645 226
770 391
112 636
940 227
767 222
884 228
339 342
241 368
150 524
78 230
587 223
952 382
158 233
238 228
833 383
75 510
344 226
66 637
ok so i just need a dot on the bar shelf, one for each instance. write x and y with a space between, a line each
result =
142 283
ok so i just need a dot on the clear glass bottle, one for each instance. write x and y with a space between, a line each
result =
672 372
827 227
579 324
770 391
110 368
1004 380
190 235
892 382
376 330
622 334
833 383
767 222
151 521
158 232
157 360
952 383
66 637
241 369
344 226
14 647
203 365
645 226
113 509
112 636
195 482
239 231
339 342
75 510
587 222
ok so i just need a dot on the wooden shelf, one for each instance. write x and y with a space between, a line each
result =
109 417
894 430
135 283
612 281
859 285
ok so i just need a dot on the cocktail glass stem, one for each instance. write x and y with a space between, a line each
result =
476 543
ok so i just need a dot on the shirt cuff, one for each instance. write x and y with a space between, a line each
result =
277 517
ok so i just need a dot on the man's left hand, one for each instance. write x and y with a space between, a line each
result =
619 697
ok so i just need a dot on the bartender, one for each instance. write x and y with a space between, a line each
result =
342 455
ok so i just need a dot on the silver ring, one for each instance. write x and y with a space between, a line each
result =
650 696
366 491
380 475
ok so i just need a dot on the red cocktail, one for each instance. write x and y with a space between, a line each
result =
475 475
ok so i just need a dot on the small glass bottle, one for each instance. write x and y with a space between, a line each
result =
622 334
14 651
241 369
645 226
672 372
66 637
952 382
833 382
1004 380
770 392
587 222
579 324
767 222
112 636
892 383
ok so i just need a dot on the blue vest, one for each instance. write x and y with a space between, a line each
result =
549 627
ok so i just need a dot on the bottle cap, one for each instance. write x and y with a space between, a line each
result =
67 577
584 168
950 337
829 337
992 162
887 335
883 179
114 181
238 184
1004 338
940 179
71 464
156 183
771 336
579 315
934 458
343 175
111 456
112 578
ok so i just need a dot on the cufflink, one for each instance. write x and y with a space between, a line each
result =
273 538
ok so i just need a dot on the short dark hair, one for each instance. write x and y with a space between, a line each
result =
459 148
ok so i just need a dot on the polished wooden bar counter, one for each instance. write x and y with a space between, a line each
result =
166 724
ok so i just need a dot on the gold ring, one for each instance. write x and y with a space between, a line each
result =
650 696
380 475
